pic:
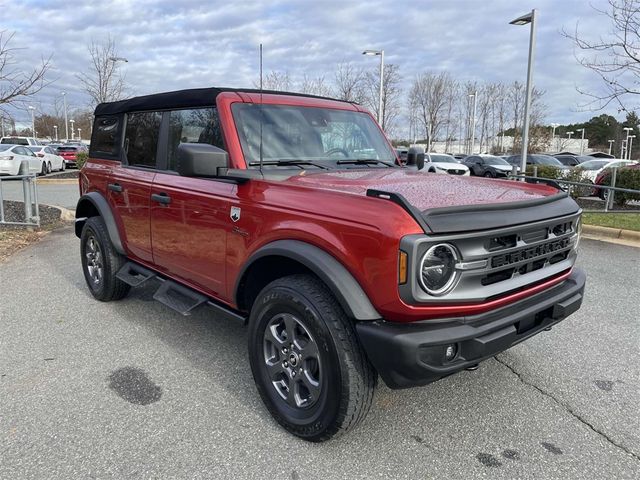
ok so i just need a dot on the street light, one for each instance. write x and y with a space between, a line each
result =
72 121
66 122
625 147
582 140
610 145
79 134
33 121
524 20
553 132
55 129
631 137
381 53
473 122
569 135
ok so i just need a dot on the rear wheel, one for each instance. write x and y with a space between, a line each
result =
49 167
43 169
100 262
63 167
309 368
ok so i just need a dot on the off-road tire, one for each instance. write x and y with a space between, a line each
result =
347 379
109 287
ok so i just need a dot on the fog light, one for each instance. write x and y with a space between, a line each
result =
450 352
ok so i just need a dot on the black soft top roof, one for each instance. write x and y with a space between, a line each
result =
194 97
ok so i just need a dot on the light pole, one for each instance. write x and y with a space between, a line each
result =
582 140
79 134
631 137
473 122
524 20
72 121
381 53
2 122
66 122
569 135
553 132
33 121
610 145
625 147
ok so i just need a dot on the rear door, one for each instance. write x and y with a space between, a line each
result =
129 186
190 217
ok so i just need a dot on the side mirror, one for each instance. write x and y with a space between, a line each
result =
415 156
200 160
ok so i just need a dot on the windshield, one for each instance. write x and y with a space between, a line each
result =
491 160
325 136
442 158
593 164
546 160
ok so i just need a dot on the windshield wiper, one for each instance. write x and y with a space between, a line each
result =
287 162
364 161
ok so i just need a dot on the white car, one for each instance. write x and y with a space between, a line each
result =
443 163
54 161
592 168
11 156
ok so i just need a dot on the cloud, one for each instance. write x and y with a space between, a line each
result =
173 45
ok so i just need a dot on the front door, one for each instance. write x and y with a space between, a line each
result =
129 186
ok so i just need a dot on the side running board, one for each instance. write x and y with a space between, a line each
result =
172 294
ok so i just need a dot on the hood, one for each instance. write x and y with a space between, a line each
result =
424 190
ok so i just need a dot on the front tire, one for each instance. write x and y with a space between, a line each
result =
309 368
488 174
100 262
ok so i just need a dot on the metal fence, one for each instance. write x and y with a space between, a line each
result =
585 190
30 198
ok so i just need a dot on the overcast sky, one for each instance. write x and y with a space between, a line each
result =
172 45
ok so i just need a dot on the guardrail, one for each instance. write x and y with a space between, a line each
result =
609 195
30 196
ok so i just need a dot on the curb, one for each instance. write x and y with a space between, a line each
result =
65 214
609 234
60 181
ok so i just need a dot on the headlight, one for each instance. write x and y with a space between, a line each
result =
437 272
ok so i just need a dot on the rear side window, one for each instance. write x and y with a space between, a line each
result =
141 138
199 125
105 140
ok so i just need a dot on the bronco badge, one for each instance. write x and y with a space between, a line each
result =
235 214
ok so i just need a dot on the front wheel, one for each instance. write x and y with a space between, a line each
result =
309 368
488 174
63 167
100 262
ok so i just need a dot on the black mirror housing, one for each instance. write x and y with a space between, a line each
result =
201 160
415 156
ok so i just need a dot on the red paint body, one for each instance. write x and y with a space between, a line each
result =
193 241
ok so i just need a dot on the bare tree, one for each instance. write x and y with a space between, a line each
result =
17 85
349 83
275 80
315 86
102 81
391 92
615 58
429 95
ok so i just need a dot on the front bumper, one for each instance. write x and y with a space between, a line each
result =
407 355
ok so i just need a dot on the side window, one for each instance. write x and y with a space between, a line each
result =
141 138
199 125
20 151
105 139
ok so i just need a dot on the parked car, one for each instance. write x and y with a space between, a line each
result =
19 141
487 166
290 214
538 159
572 160
54 161
12 156
442 163
592 168
69 153
460 156
604 178
402 154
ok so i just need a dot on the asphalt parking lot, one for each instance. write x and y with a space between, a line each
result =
64 193
134 390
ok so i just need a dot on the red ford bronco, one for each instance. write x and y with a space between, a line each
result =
292 213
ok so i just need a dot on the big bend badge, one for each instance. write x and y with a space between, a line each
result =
235 213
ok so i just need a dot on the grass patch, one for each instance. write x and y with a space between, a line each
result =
626 221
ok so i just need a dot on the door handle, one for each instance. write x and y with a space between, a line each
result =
115 187
162 198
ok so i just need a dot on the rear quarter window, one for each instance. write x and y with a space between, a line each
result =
105 140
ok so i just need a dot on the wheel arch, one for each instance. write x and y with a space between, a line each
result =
93 204
287 257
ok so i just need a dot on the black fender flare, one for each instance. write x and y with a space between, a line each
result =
90 202
345 288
